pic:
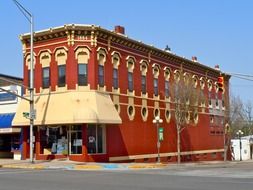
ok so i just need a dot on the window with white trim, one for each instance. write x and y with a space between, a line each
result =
155 80
155 86
130 67
61 75
143 69
61 58
45 77
115 78
101 75
115 74
82 74
82 54
143 84
101 62
167 84
167 89
130 82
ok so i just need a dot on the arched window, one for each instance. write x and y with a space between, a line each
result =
194 81
130 67
176 76
202 83
61 57
156 71
167 84
45 59
28 64
115 62
144 69
101 61
82 55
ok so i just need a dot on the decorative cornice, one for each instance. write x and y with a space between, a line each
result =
97 33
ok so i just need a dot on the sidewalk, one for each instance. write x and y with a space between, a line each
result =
71 165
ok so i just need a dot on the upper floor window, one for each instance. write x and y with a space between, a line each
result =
143 84
202 83
45 77
130 68
144 69
61 75
186 78
130 82
115 62
101 57
28 64
82 74
209 85
61 58
177 76
115 78
156 87
167 90
82 54
194 81
45 60
101 75
156 74
167 78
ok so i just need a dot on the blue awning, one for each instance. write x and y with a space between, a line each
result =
6 119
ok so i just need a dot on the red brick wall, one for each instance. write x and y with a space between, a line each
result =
131 137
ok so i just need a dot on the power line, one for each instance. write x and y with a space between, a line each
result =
241 76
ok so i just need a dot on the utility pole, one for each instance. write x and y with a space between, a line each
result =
29 17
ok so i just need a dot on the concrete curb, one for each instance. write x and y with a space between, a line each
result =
86 166
23 166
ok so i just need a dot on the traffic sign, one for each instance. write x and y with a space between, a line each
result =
160 134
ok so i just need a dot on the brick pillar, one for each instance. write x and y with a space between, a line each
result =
84 145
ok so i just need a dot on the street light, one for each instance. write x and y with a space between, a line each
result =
29 17
240 133
158 121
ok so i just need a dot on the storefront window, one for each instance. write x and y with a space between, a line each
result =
96 139
5 142
53 140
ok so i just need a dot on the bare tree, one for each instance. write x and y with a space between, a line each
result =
248 111
186 100
236 114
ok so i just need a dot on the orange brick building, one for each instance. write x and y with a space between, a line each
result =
98 91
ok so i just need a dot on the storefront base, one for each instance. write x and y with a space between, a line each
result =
6 154
17 155
82 143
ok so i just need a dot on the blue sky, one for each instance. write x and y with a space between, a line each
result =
216 31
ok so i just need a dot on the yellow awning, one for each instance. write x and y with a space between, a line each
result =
69 107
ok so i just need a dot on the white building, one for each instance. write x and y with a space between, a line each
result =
246 150
9 136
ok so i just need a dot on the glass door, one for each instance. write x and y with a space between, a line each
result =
75 140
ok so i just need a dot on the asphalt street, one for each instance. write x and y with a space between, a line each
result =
178 178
